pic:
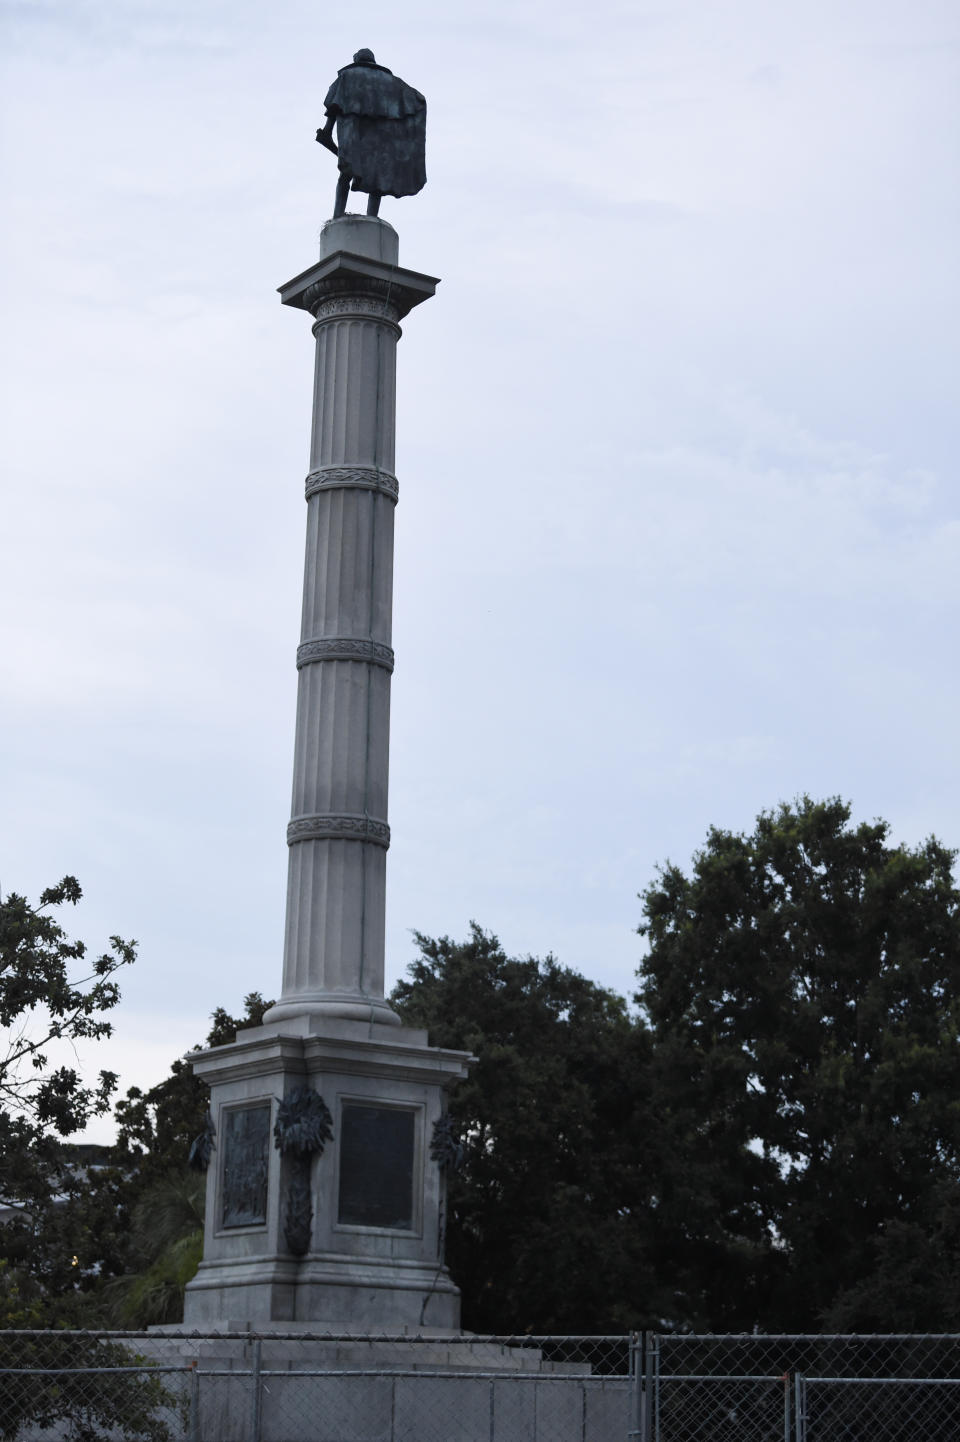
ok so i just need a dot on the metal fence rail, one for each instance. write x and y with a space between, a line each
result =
166 1387
802 1389
877 1407
296 1387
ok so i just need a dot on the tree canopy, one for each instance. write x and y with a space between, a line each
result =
546 1214
83 1216
43 1004
803 990
51 994
160 1200
773 1140
769 1138
155 1127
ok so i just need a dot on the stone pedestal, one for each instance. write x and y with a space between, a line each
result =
362 1250
324 1202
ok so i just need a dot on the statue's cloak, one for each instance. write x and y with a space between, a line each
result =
381 130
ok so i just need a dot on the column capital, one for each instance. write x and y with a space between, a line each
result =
343 274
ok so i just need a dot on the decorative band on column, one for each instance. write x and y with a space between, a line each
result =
377 306
350 827
345 648
364 478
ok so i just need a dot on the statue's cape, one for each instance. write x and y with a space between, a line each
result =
381 130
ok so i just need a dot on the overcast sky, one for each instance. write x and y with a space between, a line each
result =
679 523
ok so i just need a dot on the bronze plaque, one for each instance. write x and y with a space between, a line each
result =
246 1154
376 1167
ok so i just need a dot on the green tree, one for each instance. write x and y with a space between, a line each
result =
159 1200
547 1214
803 990
72 1382
155 1127
164 1246
51 996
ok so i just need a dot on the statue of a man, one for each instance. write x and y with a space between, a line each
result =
381 130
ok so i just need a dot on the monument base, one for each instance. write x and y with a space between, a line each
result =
325 1212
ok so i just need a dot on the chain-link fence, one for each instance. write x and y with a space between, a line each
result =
295 1387
800 1389
160 1387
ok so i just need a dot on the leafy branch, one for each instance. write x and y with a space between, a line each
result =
42 1004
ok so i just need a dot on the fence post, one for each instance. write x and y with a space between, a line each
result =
193 1433
787 1421
255 1399
800 1385
642 1346
638 1427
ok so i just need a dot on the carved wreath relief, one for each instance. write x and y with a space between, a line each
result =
302 1129
446 1148
201 1148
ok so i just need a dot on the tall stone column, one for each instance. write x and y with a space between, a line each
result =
326 1178
338 833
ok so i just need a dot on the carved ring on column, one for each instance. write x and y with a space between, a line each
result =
364 478
330 827
345 648
325 306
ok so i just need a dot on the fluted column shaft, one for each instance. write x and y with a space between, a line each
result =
338 833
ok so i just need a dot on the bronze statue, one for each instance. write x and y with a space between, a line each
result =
381 129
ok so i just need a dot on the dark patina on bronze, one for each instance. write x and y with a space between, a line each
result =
381 133
302 1129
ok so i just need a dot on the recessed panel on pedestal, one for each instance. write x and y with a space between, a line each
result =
245 1133
377 1154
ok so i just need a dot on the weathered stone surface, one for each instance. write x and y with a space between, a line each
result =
339 832
349 1235
353 1276
401 1391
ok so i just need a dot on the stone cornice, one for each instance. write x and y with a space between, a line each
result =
342 274
311 1055
338 827
345 648
364 478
